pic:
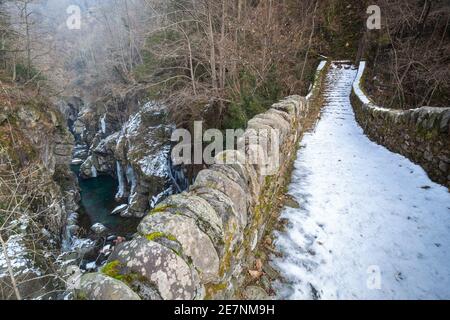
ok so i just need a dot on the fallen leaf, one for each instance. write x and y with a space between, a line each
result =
258 264
255 274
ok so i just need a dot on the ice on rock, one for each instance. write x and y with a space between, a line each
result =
121 189
103 123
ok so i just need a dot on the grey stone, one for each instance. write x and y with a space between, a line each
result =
445 119
97 286
98 228
195 244
255 293
206 218
160 266
216 180
443 166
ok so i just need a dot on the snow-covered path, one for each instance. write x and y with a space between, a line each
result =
371 224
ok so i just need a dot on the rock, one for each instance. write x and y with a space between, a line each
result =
291 202
77 161
3 117
241 165
119 209
255 293
276 122
82 247
160 266
443 166
89 168
97 286
270 271
195 244
428 156
98 228
445 120
224 207
143 147
216 180
201 211
106 250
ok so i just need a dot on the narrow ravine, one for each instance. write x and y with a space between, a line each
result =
98 201
370 223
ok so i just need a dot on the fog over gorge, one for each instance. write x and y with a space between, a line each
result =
79 59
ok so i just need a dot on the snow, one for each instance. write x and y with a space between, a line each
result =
19 258
154 200
119 209
77 161
131 178
156 164
93 171
322 65
371 224
359 92
103 123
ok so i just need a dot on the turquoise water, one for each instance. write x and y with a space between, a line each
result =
97 202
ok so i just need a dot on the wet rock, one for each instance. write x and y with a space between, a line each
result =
98 228
77 161
89 168
97 286
119 209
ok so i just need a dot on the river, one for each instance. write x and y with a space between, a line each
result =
97 202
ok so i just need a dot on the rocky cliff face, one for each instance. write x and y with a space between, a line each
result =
138 156
36 149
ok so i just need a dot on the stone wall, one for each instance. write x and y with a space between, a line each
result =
194 245
422 134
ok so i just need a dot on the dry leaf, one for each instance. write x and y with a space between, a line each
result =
255 274
258 264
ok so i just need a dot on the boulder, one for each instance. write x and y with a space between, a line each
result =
97 286
204 215
195 244
119 209
98 228
173 278
217 180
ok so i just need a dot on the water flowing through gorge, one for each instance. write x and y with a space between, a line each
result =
97 203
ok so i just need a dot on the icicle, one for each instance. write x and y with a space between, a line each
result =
121 190
103 123
93 171
131 178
